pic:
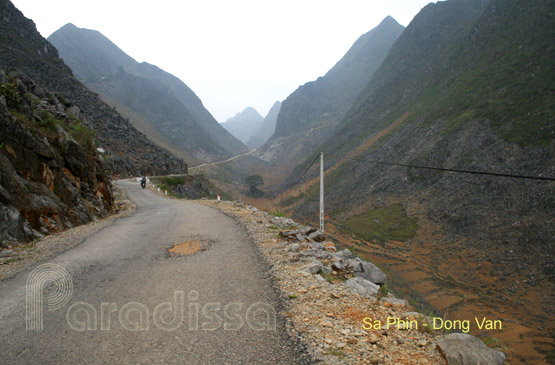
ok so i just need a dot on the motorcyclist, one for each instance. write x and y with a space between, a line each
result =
143 182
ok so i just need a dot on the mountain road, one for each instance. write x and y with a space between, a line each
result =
120 296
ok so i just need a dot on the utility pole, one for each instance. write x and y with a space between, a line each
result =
322 192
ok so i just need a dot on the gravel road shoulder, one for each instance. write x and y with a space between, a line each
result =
327 317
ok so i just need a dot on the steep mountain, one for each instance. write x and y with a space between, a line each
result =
59 143
267 128
24 51
156 102
310 114
469 85
244 124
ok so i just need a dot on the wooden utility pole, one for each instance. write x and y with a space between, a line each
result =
322 192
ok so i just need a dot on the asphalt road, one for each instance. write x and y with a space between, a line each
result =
121 298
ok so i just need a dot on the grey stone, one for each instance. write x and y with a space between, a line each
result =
317 236
282 221
13 227
300 237
372 273
306 230
325 270
395 301
74 111
313 267
290 233
362 287
464 349
320 278
338 264
346 254
292 247
315 253
355 264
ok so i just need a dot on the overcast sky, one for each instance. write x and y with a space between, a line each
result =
231 53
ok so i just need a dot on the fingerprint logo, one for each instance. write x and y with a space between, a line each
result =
39 279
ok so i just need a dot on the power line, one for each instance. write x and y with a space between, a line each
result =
309 166
544 178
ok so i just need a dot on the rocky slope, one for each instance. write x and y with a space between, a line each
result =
129 151
310 114
244 124
468 85
51 176
267 128
156 102
341 315
459 129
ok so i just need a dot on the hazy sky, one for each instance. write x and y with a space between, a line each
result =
231 53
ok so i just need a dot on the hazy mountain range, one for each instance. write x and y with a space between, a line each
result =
156 102
250 128
309 115
244 124
267 127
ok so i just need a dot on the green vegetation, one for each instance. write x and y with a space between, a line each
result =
277 213
384 290
385 223
254 180
335 352
12 96
173 180
549 354
329 277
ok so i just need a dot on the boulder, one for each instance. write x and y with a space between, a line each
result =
465 349
338 264
287 234
372 273
355 265
317 236
362 287
345 254
315 253
282 222
306 230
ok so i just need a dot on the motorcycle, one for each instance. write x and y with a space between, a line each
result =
143 183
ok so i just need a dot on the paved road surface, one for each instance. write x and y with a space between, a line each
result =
124 271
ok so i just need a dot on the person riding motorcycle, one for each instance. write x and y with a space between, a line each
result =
143 182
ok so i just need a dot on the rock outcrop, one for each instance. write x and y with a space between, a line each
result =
463 349
51 175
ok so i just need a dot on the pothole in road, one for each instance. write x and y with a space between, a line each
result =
186 248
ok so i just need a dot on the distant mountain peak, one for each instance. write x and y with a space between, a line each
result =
158 103
245 124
